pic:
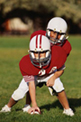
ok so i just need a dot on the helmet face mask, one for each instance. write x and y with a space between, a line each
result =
57 26
40 55
56 39
38 60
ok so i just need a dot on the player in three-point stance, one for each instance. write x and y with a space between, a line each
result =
57 38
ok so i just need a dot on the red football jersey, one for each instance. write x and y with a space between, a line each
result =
66 45
28 70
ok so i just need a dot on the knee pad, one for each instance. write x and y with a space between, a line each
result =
18 94
58 85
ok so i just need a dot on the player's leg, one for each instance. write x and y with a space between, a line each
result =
58 87
18 94
28 100
63 99
11 102
64 102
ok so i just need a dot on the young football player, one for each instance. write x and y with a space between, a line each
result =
56 32
40 65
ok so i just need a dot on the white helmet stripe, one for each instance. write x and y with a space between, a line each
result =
36 41
40 41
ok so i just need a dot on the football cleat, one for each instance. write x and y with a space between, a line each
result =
6 109
68 112
26 108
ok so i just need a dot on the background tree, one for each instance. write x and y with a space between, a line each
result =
41 11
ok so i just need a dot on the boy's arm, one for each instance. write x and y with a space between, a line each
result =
57 74
32 93
33 98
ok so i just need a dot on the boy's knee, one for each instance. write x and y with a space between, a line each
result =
18 94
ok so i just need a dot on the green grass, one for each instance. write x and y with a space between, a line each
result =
12 49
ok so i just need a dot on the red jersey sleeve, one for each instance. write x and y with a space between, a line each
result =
67 47
28 71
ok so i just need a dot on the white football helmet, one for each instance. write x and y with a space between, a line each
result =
40 44
58 25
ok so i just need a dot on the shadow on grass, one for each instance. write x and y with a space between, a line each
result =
73 102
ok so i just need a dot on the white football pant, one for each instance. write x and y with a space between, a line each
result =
23 88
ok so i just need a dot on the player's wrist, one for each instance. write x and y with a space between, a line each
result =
34 104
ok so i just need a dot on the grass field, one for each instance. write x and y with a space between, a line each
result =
12 49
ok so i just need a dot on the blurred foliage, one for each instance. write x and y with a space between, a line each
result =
69 8
40 12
